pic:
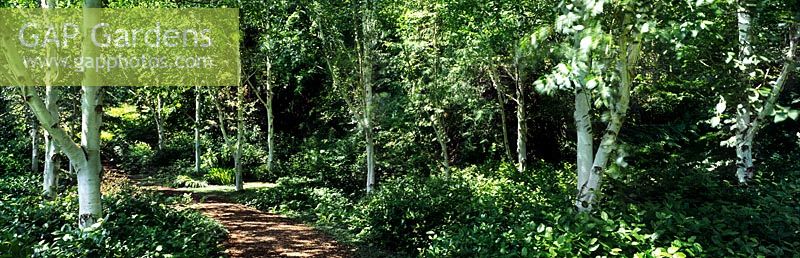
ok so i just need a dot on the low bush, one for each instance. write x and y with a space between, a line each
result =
187 181
135 157
485 212
220 176
136 224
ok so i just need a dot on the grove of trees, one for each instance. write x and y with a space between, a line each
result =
436 128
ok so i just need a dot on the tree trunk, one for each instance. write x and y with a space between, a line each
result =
159 123
239 129
85 157
89 196
522 127
501 102
370 157
34 146
197 129
270 130
747 129
368 132
52 162
441 137
369 40
628 56
744 155
585 148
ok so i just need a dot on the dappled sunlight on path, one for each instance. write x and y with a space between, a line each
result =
254 233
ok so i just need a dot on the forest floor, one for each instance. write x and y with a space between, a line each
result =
254 233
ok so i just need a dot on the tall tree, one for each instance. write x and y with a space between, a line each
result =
599 61
750 116
86 156
52 162
351 69
197 129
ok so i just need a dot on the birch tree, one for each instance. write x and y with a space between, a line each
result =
52 160
750 114
599 66
197 129
84 157
351 69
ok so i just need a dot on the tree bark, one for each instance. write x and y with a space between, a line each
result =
270 123
52 162
196 129
239 129
501 102
270 130
89 195
744 155
627 57
368 24
522 126
441 137
34 146
747 129
585 148
159 122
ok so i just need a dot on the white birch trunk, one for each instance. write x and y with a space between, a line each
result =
501 102
89 179
744 155
522 127
368 24
628 56
197 129
34 146
585 145
52 162
441 137
85 157
159 122
239 130
747 129
270 131
368 140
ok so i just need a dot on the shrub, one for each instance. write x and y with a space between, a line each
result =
187 181
136 157
10 165
137 224
220 176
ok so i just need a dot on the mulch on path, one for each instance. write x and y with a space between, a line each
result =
254 233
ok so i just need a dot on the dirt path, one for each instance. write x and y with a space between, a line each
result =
254 233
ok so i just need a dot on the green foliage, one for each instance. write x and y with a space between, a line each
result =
220 176
499 212
137 224
10 165
187 181
135 157
178 147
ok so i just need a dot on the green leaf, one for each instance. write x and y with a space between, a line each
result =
780 117
672 249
